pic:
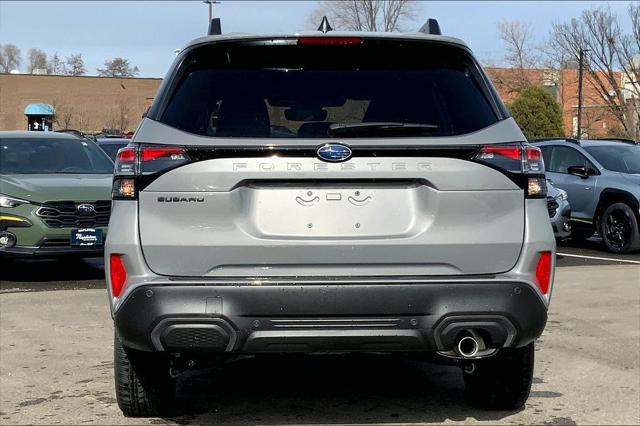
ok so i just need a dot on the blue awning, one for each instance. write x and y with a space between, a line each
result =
39 109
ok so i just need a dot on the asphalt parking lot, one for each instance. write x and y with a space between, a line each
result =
56 360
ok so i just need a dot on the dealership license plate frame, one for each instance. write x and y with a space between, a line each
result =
86 237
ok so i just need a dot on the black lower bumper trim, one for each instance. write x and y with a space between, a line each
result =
25 252
337 317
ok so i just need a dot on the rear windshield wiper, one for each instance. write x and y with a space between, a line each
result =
380 128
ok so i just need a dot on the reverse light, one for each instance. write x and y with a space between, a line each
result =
536 187
543 272
124 189
118 274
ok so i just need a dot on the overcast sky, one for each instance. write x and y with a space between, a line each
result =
147 32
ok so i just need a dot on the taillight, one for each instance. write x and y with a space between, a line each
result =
543 272
521 161
126 161
118 274
133 162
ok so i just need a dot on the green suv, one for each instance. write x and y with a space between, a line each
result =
55 194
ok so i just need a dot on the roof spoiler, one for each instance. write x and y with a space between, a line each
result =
215 27
431 27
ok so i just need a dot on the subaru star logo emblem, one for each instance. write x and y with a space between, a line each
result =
85 209
334 152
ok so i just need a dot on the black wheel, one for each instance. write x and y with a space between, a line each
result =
143 385
501 382
619 228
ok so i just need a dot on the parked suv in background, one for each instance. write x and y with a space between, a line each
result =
602 179
54 195
559 211
398 208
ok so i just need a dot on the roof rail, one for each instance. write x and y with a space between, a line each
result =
572 140
621 140
215 27
431 27
325 27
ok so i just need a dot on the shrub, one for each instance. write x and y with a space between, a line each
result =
538 114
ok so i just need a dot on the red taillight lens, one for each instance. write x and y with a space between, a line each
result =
543 271
126 161
154 159
330 40
118 274
152 153
126 154
533 160
490 152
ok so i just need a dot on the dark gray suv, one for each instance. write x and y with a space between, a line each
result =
602 179
339 192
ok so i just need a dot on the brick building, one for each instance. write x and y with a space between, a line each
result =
89 104
597 119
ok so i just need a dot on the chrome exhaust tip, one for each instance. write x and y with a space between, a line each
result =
469 344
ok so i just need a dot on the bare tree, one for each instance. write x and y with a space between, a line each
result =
10 58
65 114
37 60
75 65
118 67
612 66
118 116
520 57
56 66
365 15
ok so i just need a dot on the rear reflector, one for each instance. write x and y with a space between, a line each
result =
543 271
118 274
330 40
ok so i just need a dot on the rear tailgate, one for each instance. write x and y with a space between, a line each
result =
257 217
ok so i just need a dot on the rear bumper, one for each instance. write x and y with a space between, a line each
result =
335 317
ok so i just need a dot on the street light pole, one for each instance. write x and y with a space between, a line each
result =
580 72
210 3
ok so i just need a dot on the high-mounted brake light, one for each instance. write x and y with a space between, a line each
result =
543 272
118 274
330 40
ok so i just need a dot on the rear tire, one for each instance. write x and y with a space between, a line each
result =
143 385
503 381
619 229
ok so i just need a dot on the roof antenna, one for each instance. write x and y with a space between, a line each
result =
215 27
324 25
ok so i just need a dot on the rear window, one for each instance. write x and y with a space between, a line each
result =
305 91
46 156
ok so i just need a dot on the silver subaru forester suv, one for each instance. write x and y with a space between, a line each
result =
328 192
